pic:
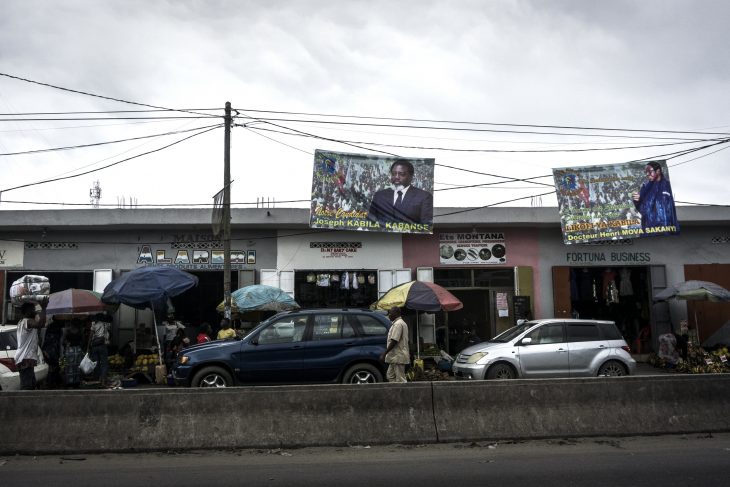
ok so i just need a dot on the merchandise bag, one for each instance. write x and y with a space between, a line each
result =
87 365
30 289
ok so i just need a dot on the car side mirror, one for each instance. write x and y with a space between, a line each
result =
526 341
254 340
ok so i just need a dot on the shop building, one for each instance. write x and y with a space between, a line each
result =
503 263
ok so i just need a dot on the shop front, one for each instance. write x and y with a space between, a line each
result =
337 269
489 270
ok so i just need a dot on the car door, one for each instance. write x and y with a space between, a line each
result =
329 347
586 348
547 353
274 355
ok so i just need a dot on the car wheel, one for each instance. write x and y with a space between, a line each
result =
212 377
362 374
612 369
501 371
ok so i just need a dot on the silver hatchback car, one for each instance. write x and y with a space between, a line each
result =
554 347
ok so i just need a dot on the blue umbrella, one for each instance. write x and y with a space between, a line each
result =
259 297
148 287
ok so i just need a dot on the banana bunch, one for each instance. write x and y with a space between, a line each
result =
116 360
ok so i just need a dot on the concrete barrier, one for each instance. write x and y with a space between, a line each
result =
581 407
297 416
243 417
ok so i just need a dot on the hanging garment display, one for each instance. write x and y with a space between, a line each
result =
361 278
345 281
627 289
371 278
323 280
311 277
354 280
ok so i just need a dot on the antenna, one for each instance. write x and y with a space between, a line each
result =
95 194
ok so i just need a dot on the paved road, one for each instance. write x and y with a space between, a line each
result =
667 461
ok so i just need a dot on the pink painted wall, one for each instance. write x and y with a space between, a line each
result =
522 245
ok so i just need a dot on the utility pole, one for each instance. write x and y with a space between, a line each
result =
227 214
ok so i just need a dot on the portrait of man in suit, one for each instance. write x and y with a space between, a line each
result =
402 202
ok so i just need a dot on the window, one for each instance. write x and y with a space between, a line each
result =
8 339
609 331
552 333
287 330
580 332
369 326
331 327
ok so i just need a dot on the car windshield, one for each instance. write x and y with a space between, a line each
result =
512 333
8 340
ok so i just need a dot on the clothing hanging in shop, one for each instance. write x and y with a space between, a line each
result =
323 280
627 289
610 290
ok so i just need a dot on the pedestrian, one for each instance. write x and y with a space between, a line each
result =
52 351
99 352
26 356
397 354
226 332
171 326
204 332
73 339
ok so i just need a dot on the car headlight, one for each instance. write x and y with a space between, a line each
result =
476 357
183 359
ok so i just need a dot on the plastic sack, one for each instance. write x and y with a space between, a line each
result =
87 365
30 289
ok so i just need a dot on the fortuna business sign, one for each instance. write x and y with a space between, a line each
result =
11 254
615 202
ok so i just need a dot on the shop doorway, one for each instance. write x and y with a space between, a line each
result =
335 289
198 304
459 329
619 294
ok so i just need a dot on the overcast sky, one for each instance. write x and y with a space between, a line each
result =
658 65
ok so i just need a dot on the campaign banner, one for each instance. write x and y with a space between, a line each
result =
11 254
472 248
371 193
615 202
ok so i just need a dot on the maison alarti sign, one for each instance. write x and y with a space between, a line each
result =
194 252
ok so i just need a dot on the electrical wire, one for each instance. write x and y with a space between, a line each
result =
28 114
452 149
113 164
461 129
96 144
101 96
455 122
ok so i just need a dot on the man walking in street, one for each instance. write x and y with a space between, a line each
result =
26 356
397 354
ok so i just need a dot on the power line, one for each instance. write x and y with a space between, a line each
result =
100 96
455 122
76 119
462 129
452 149
96 144
113 164
28 114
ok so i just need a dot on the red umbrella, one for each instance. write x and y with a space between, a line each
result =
75 302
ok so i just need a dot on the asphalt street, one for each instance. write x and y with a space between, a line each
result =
667 461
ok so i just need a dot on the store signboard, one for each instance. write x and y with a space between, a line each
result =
615 202
371 193
472 248
11 254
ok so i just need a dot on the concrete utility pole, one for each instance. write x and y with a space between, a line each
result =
227 214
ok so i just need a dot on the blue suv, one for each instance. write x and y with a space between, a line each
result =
304 346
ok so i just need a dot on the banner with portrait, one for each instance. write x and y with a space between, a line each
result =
615 202
371 193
